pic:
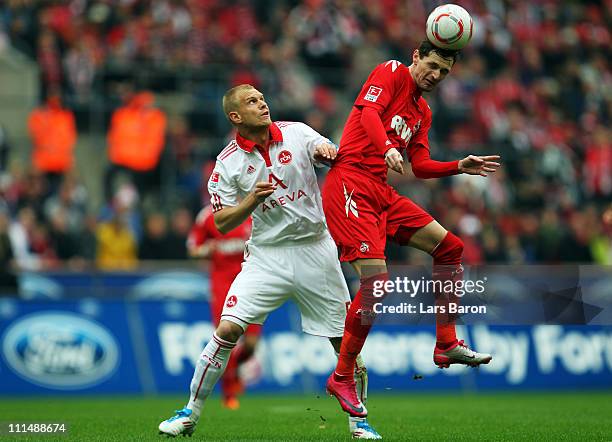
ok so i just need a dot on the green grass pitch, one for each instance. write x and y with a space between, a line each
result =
501 416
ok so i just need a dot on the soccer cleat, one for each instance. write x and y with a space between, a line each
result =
345 391
459 354
231 403
180 423
362 430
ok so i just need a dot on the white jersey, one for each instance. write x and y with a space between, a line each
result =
294 212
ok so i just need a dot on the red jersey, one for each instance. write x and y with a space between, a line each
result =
406 117
227 256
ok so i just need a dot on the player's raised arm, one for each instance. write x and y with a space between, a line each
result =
479 165
228 218
424 167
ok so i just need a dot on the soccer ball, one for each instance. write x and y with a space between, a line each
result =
449 27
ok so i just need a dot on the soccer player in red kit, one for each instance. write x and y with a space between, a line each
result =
362 210
225 252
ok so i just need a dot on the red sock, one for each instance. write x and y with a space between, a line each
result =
229 381
355 334
359 320
241 354
447 267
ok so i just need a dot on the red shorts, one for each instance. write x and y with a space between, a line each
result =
219 287
363 212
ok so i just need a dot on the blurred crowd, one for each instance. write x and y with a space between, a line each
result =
534 85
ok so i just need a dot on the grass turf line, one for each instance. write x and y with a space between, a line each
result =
502 416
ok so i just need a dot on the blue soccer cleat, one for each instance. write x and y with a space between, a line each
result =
361 429
180 423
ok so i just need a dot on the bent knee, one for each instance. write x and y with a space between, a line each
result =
449 250
229 331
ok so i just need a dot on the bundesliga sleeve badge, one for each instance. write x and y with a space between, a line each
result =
214 180
373 94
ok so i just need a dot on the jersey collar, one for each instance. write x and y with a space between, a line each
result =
276 136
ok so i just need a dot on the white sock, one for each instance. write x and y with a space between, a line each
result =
361 380
209 368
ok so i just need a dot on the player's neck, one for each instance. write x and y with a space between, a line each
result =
411 69
258 135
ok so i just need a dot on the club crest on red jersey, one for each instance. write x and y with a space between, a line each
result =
285 157
373 94
231 301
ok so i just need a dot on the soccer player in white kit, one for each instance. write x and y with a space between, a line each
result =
267 173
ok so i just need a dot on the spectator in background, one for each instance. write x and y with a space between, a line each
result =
180 226
63 241
325 33
598 164
80 63
8 280
21 233
575 246
4 149
601 245
49 61
71 198
53 132
135 143
186 168
116 245
295 83
33 193
154 243
87 239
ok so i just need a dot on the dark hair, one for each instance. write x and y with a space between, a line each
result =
426 47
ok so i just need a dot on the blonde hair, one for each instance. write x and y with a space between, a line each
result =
230 99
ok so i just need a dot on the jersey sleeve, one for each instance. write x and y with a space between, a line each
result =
222 188
312 138
379 88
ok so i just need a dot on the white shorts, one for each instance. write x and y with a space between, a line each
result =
310 274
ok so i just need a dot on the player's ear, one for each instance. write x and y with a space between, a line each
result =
234 117
415 57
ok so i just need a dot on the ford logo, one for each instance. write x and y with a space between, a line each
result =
60 350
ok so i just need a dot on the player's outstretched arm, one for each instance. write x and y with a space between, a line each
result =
229 218
479 164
